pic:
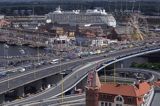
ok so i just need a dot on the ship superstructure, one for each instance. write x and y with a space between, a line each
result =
76 17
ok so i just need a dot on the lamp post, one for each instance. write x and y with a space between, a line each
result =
114 75
6 47
105 75
37 28
22 52
62 87
6 65
62 73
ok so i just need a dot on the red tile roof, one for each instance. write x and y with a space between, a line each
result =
126 90
157 83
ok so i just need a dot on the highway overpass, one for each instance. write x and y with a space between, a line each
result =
74 78
55 101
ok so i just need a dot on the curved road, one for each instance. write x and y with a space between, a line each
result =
50 101
74 78
26 77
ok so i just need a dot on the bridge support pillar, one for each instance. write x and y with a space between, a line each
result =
38 85
20 91
82 84
50 80
2 98
119 64
54 79
122 64
57 78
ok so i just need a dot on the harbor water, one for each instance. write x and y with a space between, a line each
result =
10 50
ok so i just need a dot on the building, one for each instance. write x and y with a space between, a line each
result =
2 16
157 83
114 94
3 21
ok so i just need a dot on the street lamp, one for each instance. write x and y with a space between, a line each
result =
6 54
105 75
114 70
37 28
22 52
6 47
62 73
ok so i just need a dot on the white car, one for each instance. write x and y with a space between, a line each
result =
21 69
54 61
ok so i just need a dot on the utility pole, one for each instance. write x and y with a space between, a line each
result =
114 74
62 73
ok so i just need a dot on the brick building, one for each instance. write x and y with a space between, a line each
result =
114 94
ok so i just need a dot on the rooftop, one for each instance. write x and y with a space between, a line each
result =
136 90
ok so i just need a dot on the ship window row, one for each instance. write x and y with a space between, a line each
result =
76 19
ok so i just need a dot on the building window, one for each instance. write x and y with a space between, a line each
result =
118 104
103 96
109 104
109 97
102 103
119 99
105 104
130 100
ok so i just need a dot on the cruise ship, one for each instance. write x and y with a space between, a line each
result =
96 16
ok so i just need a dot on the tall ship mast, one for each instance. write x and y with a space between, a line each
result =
96 16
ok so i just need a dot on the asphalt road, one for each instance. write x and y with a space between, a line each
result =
71 80
152 75
156 98
11 82
47 102
57 101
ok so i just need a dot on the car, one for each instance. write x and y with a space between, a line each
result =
67 59
12 70
68 71
21 69
2 74
37 64
54 61
9 72
28 66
